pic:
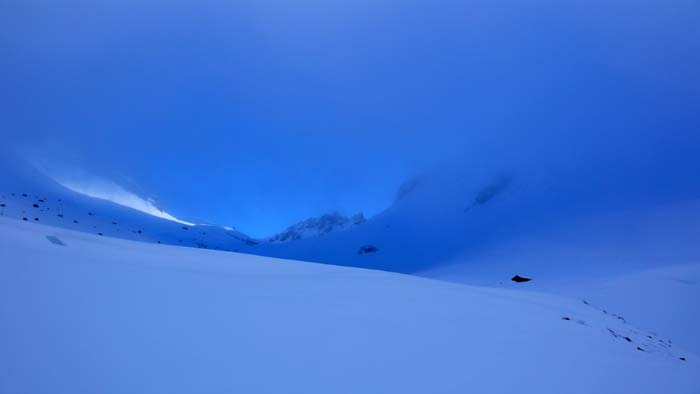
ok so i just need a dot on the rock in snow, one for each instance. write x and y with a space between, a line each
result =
520 279
367 249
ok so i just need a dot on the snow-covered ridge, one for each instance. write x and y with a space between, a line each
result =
110 191
27 194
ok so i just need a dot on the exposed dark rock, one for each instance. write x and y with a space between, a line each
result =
367 249
682 358
35 205
100 234
55 240
566 318
640 349
25 219
36 219
628 339
492 190
520 279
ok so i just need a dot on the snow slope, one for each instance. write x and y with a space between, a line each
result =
597 246
27 194
642 264
456 230
665 299
83 313
493 227
473 228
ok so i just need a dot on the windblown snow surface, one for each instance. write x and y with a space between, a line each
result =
86 314
29 195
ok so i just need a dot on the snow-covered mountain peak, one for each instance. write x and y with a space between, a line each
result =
315 226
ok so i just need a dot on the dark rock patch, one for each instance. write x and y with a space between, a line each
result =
520 279
492 190
367 249
35 205
55 240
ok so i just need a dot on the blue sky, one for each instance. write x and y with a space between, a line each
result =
260 113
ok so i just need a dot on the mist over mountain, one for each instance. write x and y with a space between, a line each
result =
242 114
